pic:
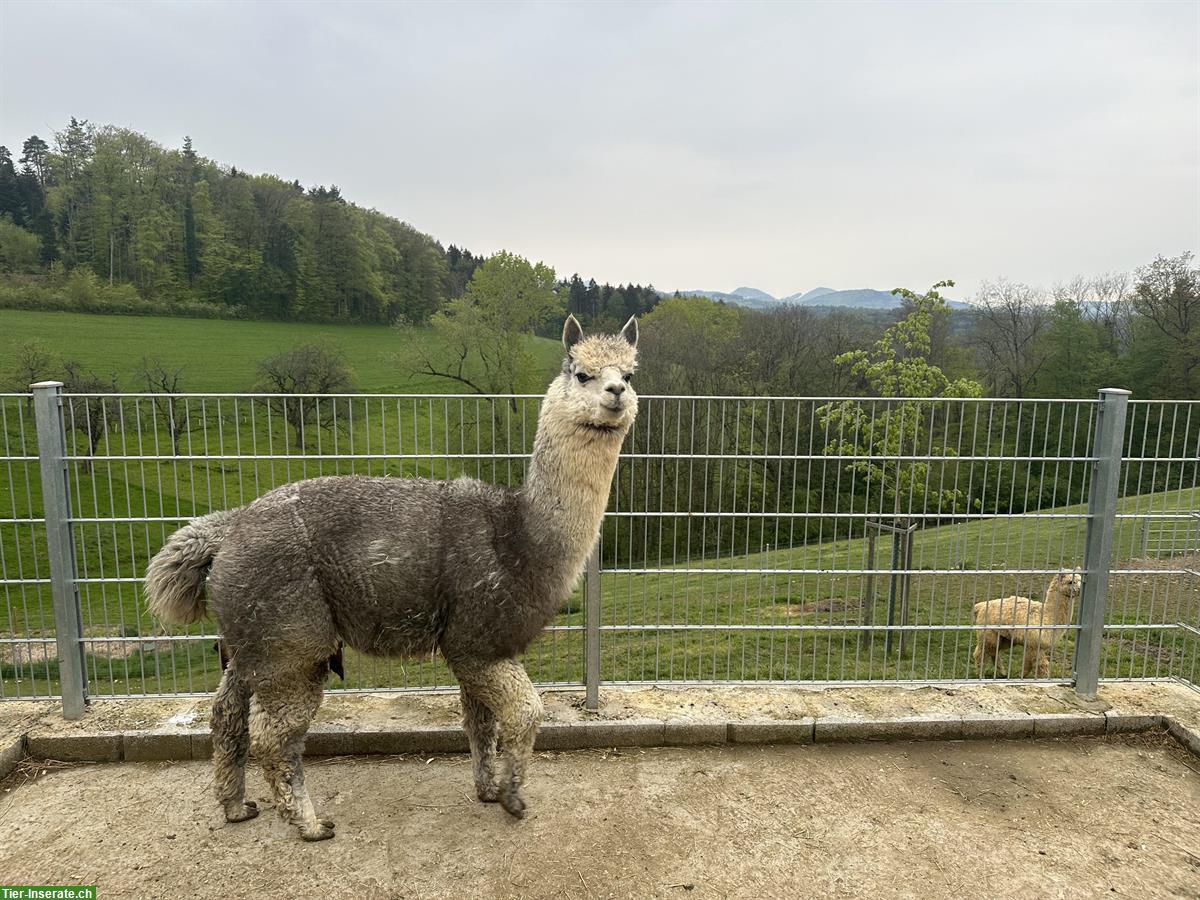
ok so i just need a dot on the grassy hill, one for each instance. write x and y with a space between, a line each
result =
220 355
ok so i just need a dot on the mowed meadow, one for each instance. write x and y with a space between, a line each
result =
690 618
221 355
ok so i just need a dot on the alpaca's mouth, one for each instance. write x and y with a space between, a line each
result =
602 428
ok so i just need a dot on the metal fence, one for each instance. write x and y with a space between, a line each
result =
748 539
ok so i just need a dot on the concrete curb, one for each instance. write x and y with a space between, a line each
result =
150 745
1186 737
12 751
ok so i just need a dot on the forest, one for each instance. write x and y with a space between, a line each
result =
104 219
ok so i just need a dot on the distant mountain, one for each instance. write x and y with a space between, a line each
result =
751 298
754 295
861 298
808 296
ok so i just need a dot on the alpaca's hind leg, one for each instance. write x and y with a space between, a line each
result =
505 688
480 725
1036 661
987 651
1043 666
287 708
231 745
999 653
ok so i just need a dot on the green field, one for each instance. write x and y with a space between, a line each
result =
715 616
219 355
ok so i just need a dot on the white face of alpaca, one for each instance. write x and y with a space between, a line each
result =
1071 583
599 374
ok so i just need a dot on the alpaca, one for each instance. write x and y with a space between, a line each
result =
401 567
1037 643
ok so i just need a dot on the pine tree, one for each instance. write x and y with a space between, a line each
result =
191 251
10 192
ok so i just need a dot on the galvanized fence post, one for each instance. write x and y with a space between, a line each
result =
1102 509
60 544
591 633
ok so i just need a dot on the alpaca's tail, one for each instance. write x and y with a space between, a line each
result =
175 578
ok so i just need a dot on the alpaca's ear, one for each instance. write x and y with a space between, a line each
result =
572 333
630 331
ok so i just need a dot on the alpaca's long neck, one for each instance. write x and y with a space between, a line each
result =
1057 608
567 487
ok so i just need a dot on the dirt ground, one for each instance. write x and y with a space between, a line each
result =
1072 818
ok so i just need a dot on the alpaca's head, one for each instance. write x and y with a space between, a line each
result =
595 390
1069 584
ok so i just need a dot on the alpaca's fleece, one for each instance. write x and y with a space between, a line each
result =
1021 611
402 567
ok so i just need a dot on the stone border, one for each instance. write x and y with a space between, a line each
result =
12 751
152 745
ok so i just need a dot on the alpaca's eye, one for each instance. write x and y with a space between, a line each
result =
627 377
582 378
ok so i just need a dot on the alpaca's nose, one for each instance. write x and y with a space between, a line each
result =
616 389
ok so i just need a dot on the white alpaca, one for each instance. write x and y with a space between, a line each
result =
1037 643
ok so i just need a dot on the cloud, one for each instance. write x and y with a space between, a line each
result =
688 145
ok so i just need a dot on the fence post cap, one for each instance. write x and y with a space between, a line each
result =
45 385
1115 391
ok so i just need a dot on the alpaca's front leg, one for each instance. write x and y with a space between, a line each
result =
480 725
505 688
1034 658
518 730
1043 659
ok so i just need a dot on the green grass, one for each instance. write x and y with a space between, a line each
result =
838 604
220 355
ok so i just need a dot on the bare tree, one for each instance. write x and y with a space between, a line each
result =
1010 320
31 363
1113 297
1103 299
162 379
91 416
305 371
1167 295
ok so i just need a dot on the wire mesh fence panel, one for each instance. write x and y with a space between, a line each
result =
1153 614
754 540
140 466
28 653
747 539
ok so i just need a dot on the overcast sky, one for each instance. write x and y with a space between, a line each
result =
699 145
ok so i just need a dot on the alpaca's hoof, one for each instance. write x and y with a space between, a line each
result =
489 794
241 812
513 804
322 831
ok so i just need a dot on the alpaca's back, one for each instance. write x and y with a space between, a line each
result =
1009 611
387 564
1006 612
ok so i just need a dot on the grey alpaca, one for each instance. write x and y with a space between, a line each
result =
400 567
